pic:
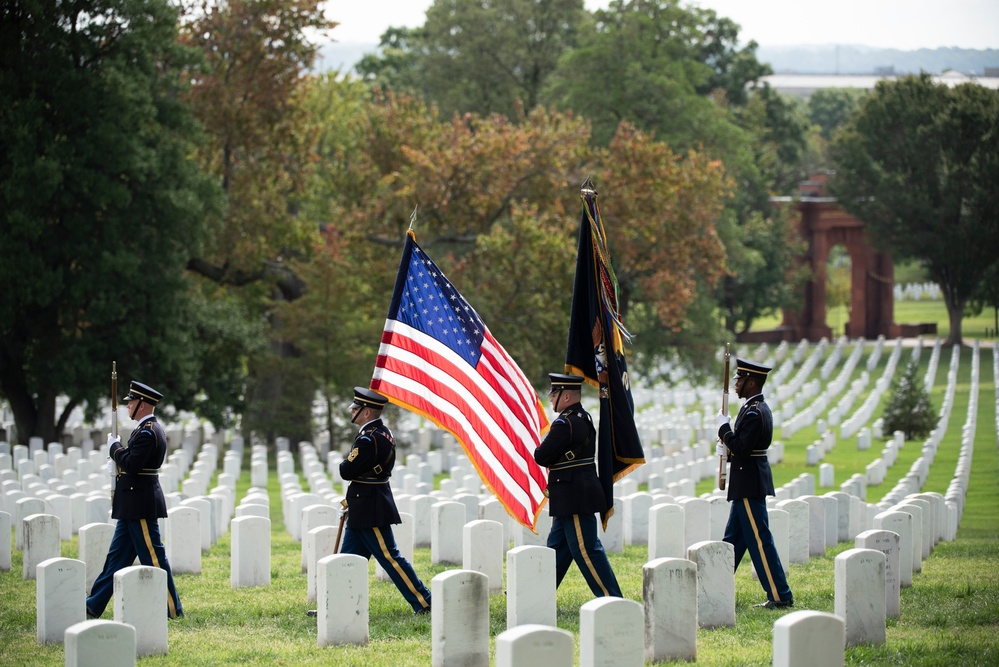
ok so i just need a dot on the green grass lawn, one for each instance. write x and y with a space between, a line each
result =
907 312
949 616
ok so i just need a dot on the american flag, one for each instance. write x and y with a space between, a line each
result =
438 359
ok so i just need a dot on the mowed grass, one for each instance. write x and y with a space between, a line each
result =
908 312
950 615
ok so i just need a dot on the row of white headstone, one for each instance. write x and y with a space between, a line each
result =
882 543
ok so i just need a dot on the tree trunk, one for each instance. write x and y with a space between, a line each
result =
955 312
31 420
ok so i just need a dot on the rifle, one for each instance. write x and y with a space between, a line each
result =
114 420
339 531
721 459
114 399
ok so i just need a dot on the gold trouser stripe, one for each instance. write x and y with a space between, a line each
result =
398 568
586 556
759 549
156 563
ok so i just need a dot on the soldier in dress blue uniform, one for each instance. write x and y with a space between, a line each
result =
574 492
137 502
750 482
371 509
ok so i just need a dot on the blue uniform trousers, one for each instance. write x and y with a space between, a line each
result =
574 538
133 538
380 543
748 529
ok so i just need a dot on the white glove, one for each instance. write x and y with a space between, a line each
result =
721 450
111 439
111 467
343 513
722 419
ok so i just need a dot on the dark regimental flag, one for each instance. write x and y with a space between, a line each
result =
438 359
595 350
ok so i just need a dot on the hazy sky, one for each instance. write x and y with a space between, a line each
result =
901 24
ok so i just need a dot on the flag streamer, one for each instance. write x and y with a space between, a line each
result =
595 350
438 359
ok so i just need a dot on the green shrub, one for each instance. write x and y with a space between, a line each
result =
909 409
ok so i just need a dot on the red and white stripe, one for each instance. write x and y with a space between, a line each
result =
490 408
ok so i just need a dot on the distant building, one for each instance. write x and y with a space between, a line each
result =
803 85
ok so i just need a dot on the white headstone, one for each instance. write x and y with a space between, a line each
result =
715 563
446 524
886 542
98 509
105 643
205 509
611 633
41 541
901 524
535 645
319 543
530 586
342 599
816 524
917 532
666 531
636 517
720 510
250 564
860 595
140 599
798 528
5 545
697 520
313 516
482 551
845 508
812 638
184 539
24 507
670 590
59 598
94 542
419 507
459 624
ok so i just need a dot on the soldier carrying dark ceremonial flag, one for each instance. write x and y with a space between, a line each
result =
595 350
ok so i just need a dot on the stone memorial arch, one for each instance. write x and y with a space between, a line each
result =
824 225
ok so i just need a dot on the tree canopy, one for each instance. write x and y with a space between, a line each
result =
101 208
918 165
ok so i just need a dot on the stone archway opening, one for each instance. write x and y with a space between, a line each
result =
825 226
838 289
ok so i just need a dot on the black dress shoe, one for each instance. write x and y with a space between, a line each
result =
420 612
312 612
771 604
90 615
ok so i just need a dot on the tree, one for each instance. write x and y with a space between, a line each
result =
475 183
498 207
909 408
987 295
761 236
100 209
479 57
660 210
250 92
918 165
652 63
829 108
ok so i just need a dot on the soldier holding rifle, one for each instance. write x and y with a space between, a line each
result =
750 481
137 502
371 509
